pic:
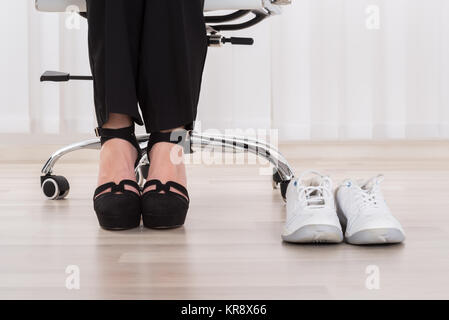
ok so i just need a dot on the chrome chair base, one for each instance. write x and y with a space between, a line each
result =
57 187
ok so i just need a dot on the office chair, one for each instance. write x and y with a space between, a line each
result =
251 12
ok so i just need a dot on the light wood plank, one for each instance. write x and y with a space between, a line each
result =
230 247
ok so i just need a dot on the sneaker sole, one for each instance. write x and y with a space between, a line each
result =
315 234
377 236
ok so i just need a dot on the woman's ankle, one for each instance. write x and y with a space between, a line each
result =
118 121
172 130
164 150
117 158
174 148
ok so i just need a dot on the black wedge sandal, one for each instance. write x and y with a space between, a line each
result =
165 210
118 209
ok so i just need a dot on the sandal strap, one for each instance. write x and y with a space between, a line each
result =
166 187
180 137
117 187
127 134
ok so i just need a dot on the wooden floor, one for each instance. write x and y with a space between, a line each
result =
230 247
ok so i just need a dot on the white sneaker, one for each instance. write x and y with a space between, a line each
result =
365 215
311 212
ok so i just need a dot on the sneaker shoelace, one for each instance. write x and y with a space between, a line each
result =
369 195
314 197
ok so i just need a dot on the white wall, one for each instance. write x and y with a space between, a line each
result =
317 72
335 78
14 66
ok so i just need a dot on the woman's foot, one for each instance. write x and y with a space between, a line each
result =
166 164
117 200
117 156
165 200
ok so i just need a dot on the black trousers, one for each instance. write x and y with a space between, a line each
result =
147 53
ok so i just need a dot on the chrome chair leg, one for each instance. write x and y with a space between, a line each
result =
57 187
242 144
89 144
283 172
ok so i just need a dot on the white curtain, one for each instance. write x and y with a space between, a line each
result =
325 69
339 73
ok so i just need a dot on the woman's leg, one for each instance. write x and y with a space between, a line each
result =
173 53
114 42
167 163
117 156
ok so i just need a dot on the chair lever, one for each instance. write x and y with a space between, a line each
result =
239 41
217 40
56 76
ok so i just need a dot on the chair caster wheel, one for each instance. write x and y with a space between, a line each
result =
55 187
278 182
